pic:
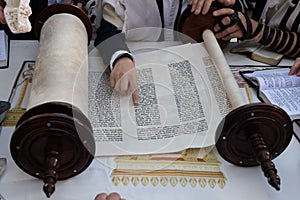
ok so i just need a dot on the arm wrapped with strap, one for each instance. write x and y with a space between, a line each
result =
284 42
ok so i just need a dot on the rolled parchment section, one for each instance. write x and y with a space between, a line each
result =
232 89
61 71
53 140
251 134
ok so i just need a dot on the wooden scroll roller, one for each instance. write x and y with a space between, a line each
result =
251 134
53 140
193 25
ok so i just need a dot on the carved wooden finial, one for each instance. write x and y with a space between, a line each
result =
53 141
254 134
262 154
50 175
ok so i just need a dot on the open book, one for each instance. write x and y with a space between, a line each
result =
182 101
258 52
4 49
277 87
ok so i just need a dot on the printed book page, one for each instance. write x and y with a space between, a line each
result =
182 101
258 52
265 55
245 47
277 87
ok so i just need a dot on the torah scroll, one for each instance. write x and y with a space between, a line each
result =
53 140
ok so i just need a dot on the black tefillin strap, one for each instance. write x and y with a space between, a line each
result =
234 19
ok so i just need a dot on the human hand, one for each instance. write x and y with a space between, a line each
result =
123 78
228 27
111 196
2 18
203 6
295 69
80 5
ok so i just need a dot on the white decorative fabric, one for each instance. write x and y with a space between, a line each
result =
274 11
16 14
141 18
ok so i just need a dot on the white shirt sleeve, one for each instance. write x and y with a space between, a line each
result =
117 55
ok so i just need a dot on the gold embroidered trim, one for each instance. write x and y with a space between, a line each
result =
174 181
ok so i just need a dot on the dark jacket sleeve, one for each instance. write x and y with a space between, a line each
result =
109 40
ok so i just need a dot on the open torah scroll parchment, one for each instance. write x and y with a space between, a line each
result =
182 101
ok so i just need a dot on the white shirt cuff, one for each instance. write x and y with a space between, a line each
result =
116 55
